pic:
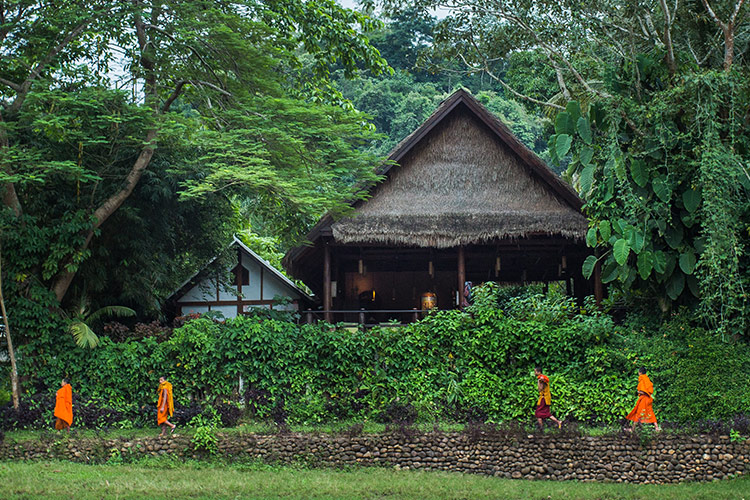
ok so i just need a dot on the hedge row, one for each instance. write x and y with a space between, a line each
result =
452 365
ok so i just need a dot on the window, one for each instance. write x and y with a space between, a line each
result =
244 279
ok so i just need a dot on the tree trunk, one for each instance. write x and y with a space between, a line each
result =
11 353
9 195
108 207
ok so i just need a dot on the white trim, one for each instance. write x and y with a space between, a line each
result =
275 271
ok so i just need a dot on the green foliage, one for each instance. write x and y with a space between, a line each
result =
204 438
448 366
682 361
736 437
650 126
79 327
668 206
399 104
119 190
4 397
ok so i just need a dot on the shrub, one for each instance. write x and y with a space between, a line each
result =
33 412
257 401
205 439
229 414
398 413
183 414
5 397
93 413
472 365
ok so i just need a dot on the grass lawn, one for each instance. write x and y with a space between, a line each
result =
170 480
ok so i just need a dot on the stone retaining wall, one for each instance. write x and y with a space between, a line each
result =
661 459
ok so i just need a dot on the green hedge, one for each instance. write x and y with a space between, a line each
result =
449 366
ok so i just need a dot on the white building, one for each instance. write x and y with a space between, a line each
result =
256 284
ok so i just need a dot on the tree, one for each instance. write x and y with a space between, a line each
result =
204 101
9 339
650 111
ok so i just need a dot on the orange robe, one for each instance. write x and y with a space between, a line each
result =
64 404
163 415
644 411
544 394
545 398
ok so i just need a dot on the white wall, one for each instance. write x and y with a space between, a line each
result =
193 309
274 286
251 291
227 311
205 290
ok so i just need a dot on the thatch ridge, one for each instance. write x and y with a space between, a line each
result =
462 96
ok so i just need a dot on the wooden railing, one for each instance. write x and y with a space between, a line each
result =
365 317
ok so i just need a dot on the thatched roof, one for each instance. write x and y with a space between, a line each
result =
461 178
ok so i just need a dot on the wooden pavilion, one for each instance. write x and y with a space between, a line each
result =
463 200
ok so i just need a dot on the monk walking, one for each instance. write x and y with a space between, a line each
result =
644 411
545 398
165 407
64 406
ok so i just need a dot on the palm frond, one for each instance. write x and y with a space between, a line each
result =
110 311
83 335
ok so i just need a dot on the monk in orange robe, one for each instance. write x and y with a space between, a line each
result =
545 399
644 411
165 406
64 406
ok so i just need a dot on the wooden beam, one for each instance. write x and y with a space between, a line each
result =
238 281
216 303
461 273
327 305
598 285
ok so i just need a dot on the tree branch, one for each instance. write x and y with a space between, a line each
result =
728 30
736 12
174 95
9 195
41 65
671 64
518 94
507 87
560 79
190 47
10 84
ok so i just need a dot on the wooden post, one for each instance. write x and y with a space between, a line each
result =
598 286
327 306
415 316
362 316
309 317
461 274
238 282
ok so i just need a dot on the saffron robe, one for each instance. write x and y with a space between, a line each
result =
644 411
64 404
165 391
545 398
